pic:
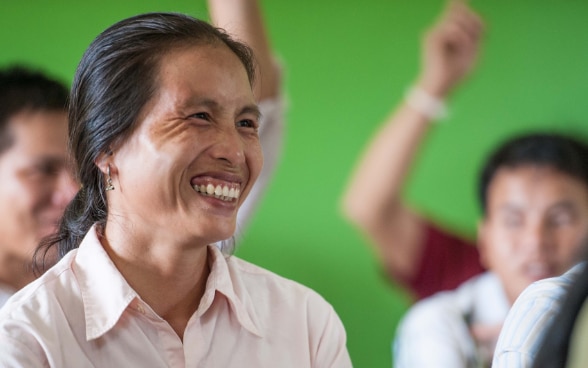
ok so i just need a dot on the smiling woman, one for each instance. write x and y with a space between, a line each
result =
191 134
163 130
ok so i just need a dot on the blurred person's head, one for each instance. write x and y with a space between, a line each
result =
534 196
36 184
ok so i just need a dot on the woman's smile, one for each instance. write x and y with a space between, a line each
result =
222 190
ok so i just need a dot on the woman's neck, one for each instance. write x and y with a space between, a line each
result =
170 277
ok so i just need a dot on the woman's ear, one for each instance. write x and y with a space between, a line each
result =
105 161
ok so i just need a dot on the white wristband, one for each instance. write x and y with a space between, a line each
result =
426 104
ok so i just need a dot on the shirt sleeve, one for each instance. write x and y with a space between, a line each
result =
271 136
447 262
16 354
433 334
531 314
327 336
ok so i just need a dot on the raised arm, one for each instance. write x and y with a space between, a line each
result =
243 20
373 199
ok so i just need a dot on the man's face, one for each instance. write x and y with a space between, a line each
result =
536 220
35 182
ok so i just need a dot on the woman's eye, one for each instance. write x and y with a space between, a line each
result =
246 123
201 115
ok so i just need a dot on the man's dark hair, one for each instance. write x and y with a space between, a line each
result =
563 153
23 89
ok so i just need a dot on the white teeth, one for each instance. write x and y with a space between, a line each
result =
220 192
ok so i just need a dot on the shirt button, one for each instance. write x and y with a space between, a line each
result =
140 309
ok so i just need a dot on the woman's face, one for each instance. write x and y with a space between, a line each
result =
195 153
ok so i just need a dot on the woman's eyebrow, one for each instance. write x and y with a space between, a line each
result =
215 106
251 109
196 102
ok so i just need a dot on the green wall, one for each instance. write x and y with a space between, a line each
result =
347 64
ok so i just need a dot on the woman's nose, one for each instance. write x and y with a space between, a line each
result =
229 146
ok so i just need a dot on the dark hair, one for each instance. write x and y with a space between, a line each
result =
554 150
24 89
115 79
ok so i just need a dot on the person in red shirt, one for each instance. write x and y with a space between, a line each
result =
414 250
420 254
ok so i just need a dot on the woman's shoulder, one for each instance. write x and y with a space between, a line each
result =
42 294
259 280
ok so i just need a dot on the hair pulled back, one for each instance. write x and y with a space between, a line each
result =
115 79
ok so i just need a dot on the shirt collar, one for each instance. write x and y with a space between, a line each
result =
106 294
225 279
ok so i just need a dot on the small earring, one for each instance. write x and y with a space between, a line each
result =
109 185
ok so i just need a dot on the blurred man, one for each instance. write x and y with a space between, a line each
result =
534 196
36 184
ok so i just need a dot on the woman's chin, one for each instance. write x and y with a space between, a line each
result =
217 233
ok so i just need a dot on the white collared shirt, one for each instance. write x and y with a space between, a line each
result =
5 293
436 331
83 313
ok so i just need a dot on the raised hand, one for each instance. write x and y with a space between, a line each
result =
450 49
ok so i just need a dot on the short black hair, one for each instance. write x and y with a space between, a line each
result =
542 149
24 89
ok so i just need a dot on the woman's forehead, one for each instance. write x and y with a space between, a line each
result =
202 73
